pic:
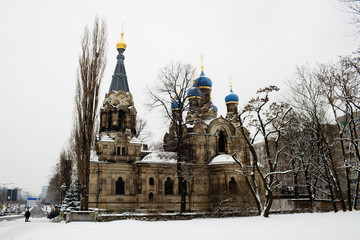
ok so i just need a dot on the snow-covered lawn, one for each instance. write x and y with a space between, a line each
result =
297 226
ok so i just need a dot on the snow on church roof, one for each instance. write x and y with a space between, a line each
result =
135 140
222 159
106 138
159 158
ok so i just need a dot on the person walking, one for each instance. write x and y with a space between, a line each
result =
27 215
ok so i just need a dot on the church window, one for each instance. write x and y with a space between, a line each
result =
120 186
151 197
104 120
169 187
232 186
118 151
114 119
222 142
123 151
151 181
121 118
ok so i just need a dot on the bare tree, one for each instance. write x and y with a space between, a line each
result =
61 174
141 125
92 62
170 94
352 7
53 193
267 119
341 83
310 99
66 168
298 151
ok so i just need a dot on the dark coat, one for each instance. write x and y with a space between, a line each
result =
27 214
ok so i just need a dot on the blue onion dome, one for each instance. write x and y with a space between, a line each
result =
203 81
194 92
215 107
231 98
175 105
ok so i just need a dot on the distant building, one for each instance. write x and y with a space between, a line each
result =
13 195
43 193
351 131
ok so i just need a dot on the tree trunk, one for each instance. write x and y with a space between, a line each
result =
296 183
180 152
308 187
348 188
268 203
356 192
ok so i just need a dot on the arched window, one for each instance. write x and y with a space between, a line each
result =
123 151
118 151
151 197
222 142
169 190
151 181
120 186
121 118
232 186
114 120
104 120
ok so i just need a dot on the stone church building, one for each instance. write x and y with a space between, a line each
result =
125 176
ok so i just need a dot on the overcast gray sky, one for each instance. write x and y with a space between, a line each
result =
256 42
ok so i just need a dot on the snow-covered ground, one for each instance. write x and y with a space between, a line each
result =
297 226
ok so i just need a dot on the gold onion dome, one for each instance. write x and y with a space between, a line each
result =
121 43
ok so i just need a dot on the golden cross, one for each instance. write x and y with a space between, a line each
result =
202 62
122 31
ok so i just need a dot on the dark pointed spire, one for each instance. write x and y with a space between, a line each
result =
119 78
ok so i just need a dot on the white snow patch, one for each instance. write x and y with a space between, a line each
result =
323 226
160 158
93 156
209 120
107 138
135 140
222 159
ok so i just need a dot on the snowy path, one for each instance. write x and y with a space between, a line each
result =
10 217
299 226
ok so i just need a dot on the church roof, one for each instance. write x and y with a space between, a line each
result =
231 97
135 140
175 105
159 158
222 159
203 81
194 92
119 78
107 138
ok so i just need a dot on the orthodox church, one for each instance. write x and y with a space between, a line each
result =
126 176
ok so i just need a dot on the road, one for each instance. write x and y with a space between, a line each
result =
35 212
11 217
